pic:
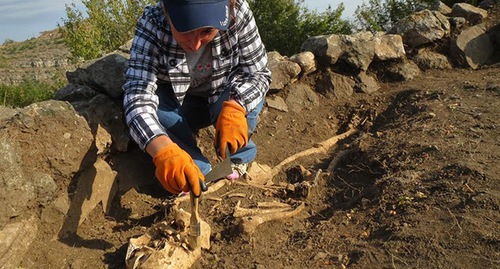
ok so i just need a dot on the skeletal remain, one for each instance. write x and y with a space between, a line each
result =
249 224
272 204
321 147
215 199
244 212
239 195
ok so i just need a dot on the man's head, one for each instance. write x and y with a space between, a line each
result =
189 15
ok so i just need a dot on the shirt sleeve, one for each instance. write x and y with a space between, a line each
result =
249 82
140 101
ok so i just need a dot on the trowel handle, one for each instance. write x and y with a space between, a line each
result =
194 223
195 216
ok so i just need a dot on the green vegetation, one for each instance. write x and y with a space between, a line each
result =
381 15
450 3
285 24
8 41
26 93
108 26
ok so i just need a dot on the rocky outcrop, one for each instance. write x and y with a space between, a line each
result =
472 47
69 145
42 146
422 28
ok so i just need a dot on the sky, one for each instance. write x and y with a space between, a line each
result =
24 19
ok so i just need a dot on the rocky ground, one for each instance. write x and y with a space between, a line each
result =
417 187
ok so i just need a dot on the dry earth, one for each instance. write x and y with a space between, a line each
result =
418 187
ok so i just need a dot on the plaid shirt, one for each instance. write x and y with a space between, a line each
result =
239 62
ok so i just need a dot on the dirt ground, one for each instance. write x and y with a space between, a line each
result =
418 187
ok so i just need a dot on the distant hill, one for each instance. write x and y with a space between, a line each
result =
44 58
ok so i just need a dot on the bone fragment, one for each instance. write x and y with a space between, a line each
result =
244 212
248 225
239 195
272 204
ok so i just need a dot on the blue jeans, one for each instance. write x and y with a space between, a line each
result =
195 113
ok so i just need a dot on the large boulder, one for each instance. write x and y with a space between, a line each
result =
306 61
472 14
106 75
283 71
388 47
41 147
427 59
326 48
99 110
335 85
473 47
422 27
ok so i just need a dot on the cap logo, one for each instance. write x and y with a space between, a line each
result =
224 22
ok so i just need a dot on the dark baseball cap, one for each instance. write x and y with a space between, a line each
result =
188 15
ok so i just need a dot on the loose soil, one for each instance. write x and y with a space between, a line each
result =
418 187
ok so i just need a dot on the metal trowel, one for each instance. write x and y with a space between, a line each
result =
221 170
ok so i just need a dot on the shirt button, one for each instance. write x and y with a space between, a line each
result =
225 52
172 62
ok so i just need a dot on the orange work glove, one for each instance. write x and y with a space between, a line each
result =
231 128
176 170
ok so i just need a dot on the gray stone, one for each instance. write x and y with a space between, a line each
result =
473 47
366 83
326 48
421 28
402 71
283 71
277 103
41 145
301 97
441 7
306 62
388 47
106 75
358 50
45 188
335 85
101 110
431 60
472 14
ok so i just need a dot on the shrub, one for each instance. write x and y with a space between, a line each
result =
381 15
27 92
285 24
109 25
8 41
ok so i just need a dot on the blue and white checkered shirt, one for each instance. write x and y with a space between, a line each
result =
239 62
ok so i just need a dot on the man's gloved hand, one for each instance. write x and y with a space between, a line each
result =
177 172
231 128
